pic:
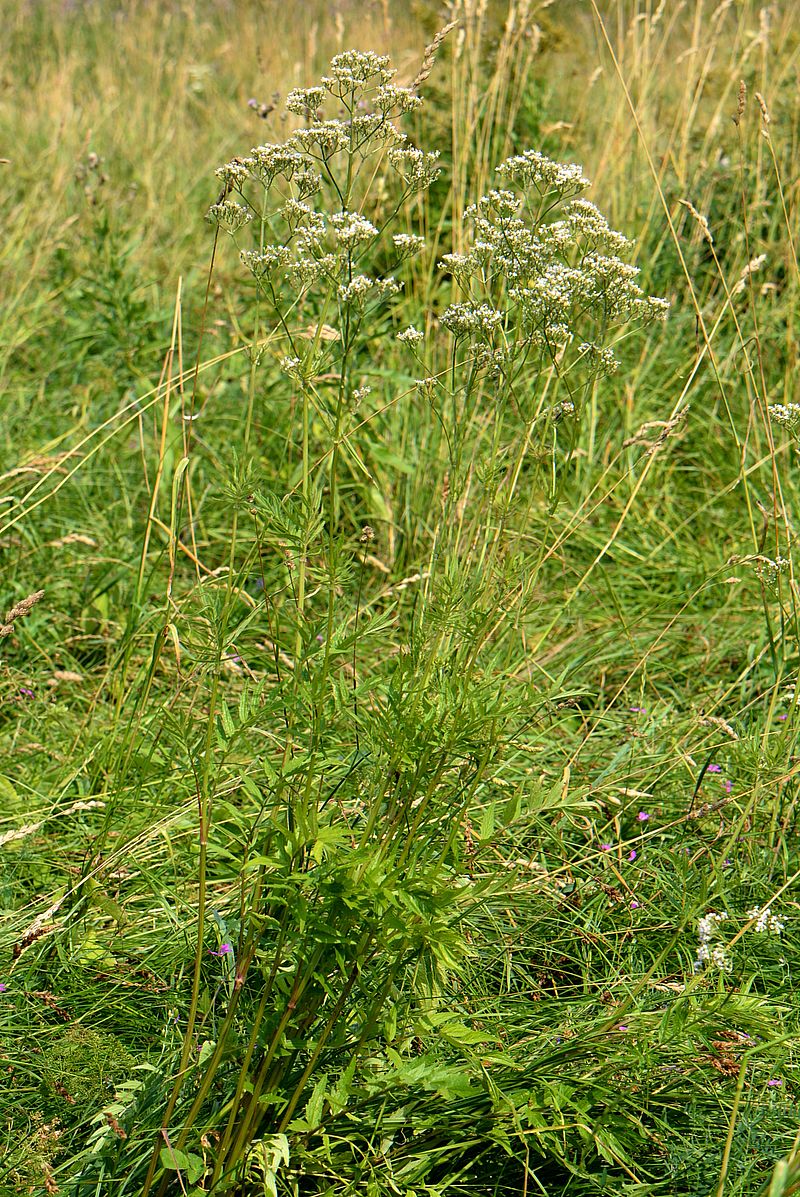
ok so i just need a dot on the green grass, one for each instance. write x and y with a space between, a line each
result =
371 758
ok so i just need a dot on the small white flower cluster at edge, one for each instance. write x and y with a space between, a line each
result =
766 921
716 955
708 953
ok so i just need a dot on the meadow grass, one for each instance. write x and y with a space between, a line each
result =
399 735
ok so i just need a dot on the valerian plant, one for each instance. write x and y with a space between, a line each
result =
547 293
357 900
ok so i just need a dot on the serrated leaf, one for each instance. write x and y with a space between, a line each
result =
316 1102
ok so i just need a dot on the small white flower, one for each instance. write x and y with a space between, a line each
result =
327 137
267 162
410 336
408 244
291 366
302 100
534 168
467 319
708 953
395 100
354 68
357 290
787 414
263 262
353 229
228 215
235 173
417 168
766 921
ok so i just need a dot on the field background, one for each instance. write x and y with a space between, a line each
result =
578 715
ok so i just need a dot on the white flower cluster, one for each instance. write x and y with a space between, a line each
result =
325 137
395 100
786 414
293 367
266 163
302 240
562 410
556 276
263 262
496 360
302 100
766 921
586 222
362 287
408 244
534 169
228 216
469 319
769 571
352 229
709 953
353 69
410 336
417 168
601 361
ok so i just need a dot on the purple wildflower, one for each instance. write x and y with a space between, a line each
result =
623 1026
638 710
714 769
632 854
774 1083
642 816
224 949
606 847
728 786
3 987
635 905
781 718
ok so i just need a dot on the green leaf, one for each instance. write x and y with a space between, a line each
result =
182 1161
316 1102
